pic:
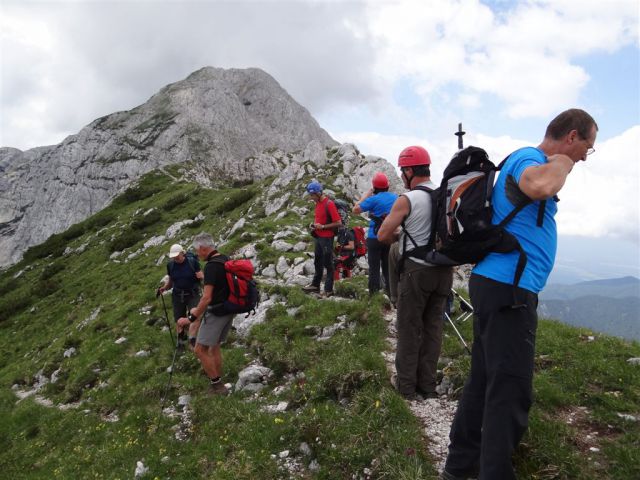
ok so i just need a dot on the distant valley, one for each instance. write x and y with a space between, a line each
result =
609 306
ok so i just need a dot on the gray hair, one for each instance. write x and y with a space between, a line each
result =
203 239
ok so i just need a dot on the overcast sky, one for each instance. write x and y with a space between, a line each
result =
382 75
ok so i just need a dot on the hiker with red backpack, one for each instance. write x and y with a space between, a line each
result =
345 253
423 288
215 324
493 411
326 222
378 201
183 278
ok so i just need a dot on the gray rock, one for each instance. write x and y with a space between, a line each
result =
239 225
283 234
305 449
633 361
309 268
276 204
143 353
300 247
184 400
627 417
154 241
70 352
269 272
56 375
224 121
243 324
248 251
299 280
281 246
362 264
282 266
253 374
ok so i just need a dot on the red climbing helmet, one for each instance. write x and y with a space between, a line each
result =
380 180
413 156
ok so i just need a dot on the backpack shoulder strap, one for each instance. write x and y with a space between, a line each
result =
191 261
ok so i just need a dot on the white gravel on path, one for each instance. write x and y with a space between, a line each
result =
435 414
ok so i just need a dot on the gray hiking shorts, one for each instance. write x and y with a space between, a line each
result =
214 329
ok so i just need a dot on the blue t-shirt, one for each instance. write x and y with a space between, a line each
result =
539 243
379 204
183 275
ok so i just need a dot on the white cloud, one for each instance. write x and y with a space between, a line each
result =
602 195
523 57
66 63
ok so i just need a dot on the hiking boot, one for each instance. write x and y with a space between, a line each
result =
327 294
450 476
218 389
311 288
427 395
412 397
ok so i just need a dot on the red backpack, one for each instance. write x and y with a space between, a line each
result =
360 242
243 291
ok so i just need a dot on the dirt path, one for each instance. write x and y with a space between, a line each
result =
435 414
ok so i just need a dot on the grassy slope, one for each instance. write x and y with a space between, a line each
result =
344 408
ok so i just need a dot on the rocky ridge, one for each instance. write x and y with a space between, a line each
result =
229 125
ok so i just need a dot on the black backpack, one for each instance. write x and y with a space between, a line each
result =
461 228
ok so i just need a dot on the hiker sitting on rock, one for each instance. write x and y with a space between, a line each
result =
345 253
327 220
183 275
214 327
378 202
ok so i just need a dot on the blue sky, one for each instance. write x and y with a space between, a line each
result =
380 74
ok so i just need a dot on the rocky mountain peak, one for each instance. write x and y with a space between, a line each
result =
225 125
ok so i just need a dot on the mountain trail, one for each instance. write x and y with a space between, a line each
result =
435 414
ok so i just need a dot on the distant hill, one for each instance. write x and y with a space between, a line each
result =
611 305
611 287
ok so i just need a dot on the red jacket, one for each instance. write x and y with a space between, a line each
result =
322 207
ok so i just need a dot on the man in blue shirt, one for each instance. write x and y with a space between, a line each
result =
378 201
493 412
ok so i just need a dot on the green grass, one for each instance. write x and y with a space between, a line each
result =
344 409
343 406
572 373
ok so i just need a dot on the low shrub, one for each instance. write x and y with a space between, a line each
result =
233 201
144 221
54 246
176 200
50 270
125 240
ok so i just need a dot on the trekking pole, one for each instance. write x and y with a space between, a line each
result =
168 387
459 134
466 307
458 333
166 315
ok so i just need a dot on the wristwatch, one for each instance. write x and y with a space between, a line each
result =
192 318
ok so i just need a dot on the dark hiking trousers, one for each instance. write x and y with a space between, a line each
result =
493 412
323 259
378 256
183 301
422 294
